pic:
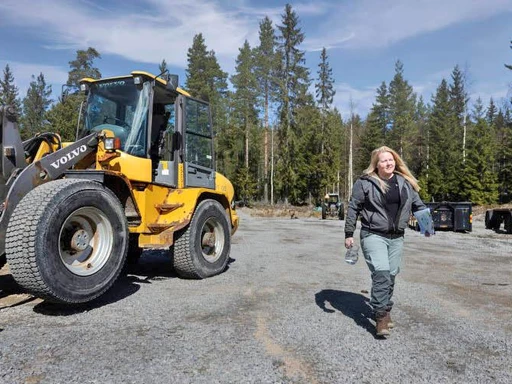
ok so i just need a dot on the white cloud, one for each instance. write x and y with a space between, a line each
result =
164 30
379 23
361 99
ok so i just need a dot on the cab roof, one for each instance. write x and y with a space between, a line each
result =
158 80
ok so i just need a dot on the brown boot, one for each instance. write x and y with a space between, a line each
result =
381 320
391 325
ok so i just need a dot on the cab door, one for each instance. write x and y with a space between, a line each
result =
199 166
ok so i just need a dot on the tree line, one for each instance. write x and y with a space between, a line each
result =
280 138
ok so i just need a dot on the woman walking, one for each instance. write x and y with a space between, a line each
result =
383 197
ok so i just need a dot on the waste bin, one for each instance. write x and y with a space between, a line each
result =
454 216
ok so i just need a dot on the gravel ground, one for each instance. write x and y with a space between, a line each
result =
287 310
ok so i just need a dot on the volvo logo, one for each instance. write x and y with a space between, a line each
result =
67 158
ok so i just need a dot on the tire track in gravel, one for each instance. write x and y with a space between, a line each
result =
286 360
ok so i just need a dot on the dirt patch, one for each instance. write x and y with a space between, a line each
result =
282 211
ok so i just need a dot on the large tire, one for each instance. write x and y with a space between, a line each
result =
324 211
3 260
488 219
67 241
202 249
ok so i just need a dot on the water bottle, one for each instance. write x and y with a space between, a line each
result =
352 255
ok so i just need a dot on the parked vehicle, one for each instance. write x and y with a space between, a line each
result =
495 217
141 175
332 206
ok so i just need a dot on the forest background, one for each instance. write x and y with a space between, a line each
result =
279 137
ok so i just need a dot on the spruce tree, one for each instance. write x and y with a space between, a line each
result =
402 132
325 167
162 68
35 105
208 82
480 181
374 128
441 176
294 82
265 69
8 91
423 144
492 112
503 129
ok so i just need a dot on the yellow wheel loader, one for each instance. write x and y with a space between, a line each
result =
140 175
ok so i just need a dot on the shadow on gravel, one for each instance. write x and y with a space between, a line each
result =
351 304
123 288
8 285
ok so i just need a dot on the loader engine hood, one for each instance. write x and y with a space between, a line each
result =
223 185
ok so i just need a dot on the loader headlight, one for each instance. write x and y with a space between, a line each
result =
112 143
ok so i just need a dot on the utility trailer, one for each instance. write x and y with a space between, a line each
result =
495 217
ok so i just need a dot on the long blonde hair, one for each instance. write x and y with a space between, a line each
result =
400 168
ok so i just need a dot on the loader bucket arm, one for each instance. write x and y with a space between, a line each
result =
50 167
11 147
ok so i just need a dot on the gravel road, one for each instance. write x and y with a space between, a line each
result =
287 310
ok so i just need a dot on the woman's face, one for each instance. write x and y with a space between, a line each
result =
385 165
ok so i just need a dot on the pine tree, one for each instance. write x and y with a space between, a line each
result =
294 83
244 110
8 91
82 67
63 116
265 69
402 101
35 105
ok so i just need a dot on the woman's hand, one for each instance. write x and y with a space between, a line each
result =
349 242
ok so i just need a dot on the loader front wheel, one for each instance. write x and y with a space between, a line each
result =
202 249
67 241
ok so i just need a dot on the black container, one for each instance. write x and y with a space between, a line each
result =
453 216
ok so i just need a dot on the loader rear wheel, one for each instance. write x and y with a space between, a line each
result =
202 249
67 241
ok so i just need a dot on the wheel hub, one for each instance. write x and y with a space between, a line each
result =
85 241
80 240
209 239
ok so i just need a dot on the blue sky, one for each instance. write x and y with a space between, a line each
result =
364 39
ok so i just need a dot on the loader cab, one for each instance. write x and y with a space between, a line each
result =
155 120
